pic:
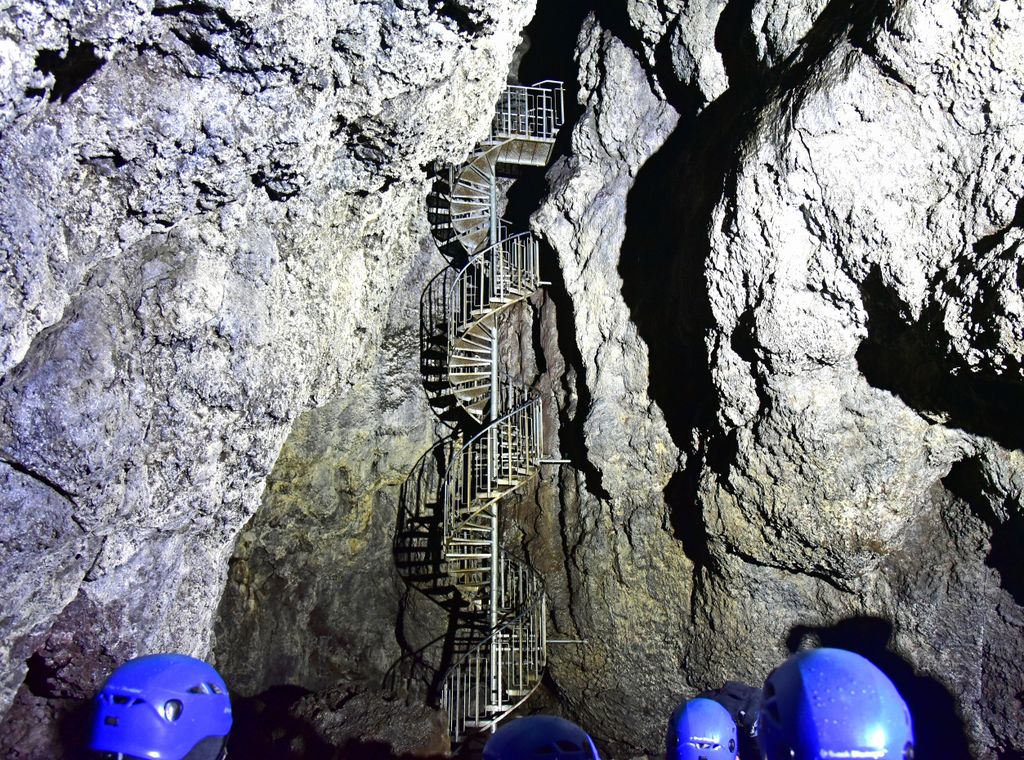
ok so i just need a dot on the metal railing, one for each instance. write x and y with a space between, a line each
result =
495 462
502 598
497 276
502 670
534 112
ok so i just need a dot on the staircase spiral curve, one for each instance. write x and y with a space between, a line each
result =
495 446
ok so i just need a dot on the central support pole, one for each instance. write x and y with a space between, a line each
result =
495 265
495 464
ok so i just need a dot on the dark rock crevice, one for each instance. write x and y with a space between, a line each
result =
196 8
686 520
904 356
70 69
666 241
466 19
43 479
571 434
685 97
1005 519
734 40
659 248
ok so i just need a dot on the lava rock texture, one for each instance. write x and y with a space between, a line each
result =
206 209
793 227
783 349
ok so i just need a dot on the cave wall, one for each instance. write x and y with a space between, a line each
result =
206 211
313 594
807 214
782 347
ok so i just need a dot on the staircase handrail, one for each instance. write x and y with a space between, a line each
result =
536 593
528 607
460 309
456 467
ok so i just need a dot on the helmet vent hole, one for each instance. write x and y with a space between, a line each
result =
172 709
198 689
110 720
214 688
120 699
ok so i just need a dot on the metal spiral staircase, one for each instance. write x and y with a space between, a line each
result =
497 647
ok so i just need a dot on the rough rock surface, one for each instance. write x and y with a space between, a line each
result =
205 209
313 595
627 575
822 264
338 723
784 342
354 723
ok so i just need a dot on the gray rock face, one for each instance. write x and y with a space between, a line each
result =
206 209
783 343
823 247
313 594
827 319
627 576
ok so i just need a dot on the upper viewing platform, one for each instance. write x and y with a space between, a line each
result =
527 120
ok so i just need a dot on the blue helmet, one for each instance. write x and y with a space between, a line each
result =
542 736
163 707
827 703
701 729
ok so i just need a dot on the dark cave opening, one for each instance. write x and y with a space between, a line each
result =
549 54
265 726
938 727
47 721
271 726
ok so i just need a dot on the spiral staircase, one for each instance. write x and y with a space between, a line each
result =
496 650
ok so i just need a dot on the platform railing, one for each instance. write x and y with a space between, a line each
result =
533 112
